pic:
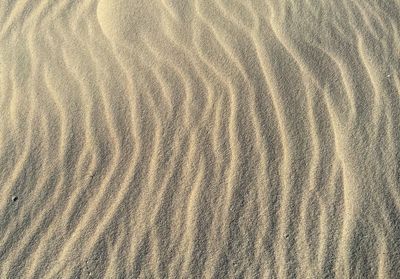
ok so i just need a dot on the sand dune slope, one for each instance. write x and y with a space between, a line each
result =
199 139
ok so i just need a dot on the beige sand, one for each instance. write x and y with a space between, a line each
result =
199 139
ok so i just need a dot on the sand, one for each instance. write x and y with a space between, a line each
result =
199 139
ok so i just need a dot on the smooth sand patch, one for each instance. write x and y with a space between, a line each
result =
127 20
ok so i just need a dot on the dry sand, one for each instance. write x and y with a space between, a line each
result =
199 139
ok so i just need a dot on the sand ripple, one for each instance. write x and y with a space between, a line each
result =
199 139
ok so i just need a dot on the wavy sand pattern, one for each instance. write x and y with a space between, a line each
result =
199 139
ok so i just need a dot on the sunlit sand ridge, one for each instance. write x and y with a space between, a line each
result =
199 139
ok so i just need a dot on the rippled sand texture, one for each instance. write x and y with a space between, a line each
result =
199 139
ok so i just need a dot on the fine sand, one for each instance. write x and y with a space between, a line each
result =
199 139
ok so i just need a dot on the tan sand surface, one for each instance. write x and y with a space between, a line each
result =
200 139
